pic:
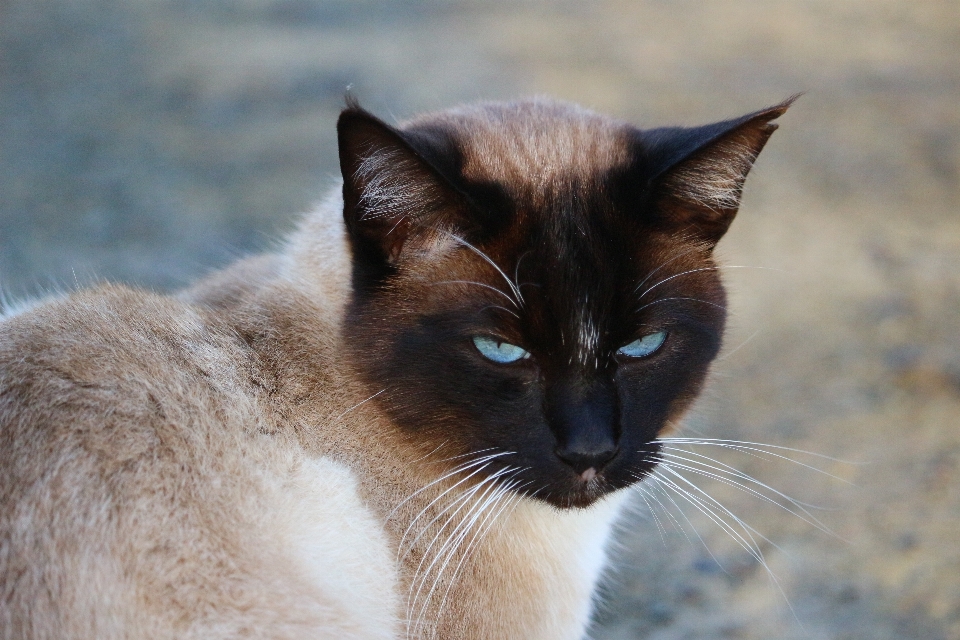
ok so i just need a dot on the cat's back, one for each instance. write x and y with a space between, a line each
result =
148 489
99 394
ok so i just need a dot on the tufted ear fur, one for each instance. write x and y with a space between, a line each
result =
396 204
700 180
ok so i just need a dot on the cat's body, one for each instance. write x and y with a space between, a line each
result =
267 455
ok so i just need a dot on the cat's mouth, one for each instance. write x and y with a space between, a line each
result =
569 488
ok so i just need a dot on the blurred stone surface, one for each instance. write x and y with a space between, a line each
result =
149 141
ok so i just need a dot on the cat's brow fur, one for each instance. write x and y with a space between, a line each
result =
307 444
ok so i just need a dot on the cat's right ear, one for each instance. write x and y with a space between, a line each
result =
393 199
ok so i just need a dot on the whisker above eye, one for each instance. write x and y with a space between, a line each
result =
504 309
516 267
664 264
658 301
479 284
700 270
673 277
510 283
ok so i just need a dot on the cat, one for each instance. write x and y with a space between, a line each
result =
416 419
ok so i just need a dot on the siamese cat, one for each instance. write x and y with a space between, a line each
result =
417 419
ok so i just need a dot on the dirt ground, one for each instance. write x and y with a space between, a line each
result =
150 141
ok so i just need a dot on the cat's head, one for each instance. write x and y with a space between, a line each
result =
535 281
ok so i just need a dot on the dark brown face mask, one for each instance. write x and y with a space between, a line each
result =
537 280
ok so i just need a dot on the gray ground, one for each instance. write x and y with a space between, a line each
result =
149 142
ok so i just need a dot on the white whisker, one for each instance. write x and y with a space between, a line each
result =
463 500
708 506
690 271
749 543
449 546
738 347
470 453
660 485
668 262
512 500
673 519
435 449
487 505
479 284
647 492
419 576
769 450
496 306
359 404
717 473
513 287
483 462
458 469
658 301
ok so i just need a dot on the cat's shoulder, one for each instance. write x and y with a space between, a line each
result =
117 360
140 418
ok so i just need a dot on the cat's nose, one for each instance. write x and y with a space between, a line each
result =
595 457
584 416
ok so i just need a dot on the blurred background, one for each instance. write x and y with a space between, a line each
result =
150 141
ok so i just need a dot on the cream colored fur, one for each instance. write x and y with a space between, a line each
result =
207 466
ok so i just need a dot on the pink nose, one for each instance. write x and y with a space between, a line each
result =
583 460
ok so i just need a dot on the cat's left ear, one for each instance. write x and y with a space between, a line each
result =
700 171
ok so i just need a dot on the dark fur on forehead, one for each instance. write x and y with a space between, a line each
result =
566 233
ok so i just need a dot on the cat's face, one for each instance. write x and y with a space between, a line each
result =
534 282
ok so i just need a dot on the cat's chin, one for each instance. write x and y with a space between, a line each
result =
580 491
583 498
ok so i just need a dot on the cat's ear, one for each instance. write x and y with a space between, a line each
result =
701 170
392 196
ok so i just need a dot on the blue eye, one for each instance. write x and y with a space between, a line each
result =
500 352
644 346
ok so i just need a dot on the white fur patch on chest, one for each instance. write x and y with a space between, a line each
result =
339 546
568 549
